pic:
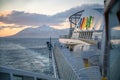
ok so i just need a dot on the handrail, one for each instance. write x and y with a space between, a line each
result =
90 73
12 73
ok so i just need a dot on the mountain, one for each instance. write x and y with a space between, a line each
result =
41 32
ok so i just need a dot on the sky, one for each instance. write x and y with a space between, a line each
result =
16 15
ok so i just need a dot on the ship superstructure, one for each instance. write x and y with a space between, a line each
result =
78 55
91 50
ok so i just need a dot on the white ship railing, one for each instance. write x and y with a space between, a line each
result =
54 66
14 74
89 73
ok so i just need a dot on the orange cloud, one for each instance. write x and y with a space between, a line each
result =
8 32
9 29
63 25
5 13
4 24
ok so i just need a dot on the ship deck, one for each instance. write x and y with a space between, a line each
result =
89 73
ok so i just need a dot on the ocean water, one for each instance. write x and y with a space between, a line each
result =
30 54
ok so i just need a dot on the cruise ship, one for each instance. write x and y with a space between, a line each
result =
91 51
78 55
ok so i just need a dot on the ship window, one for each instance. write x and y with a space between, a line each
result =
88 35
79 35
82 35
85 35
99 45
41 79
16 77
118 15
4 76
91 35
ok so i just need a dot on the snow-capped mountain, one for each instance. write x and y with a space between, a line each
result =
41 32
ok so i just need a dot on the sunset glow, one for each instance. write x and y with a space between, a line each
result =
63 25
3 24
16 15
5 13
9 32
9 29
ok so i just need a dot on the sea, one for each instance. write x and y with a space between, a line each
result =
28 54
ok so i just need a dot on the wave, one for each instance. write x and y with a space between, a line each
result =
12 46
20 57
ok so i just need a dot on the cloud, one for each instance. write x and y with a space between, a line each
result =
33 19
5 13
11 27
